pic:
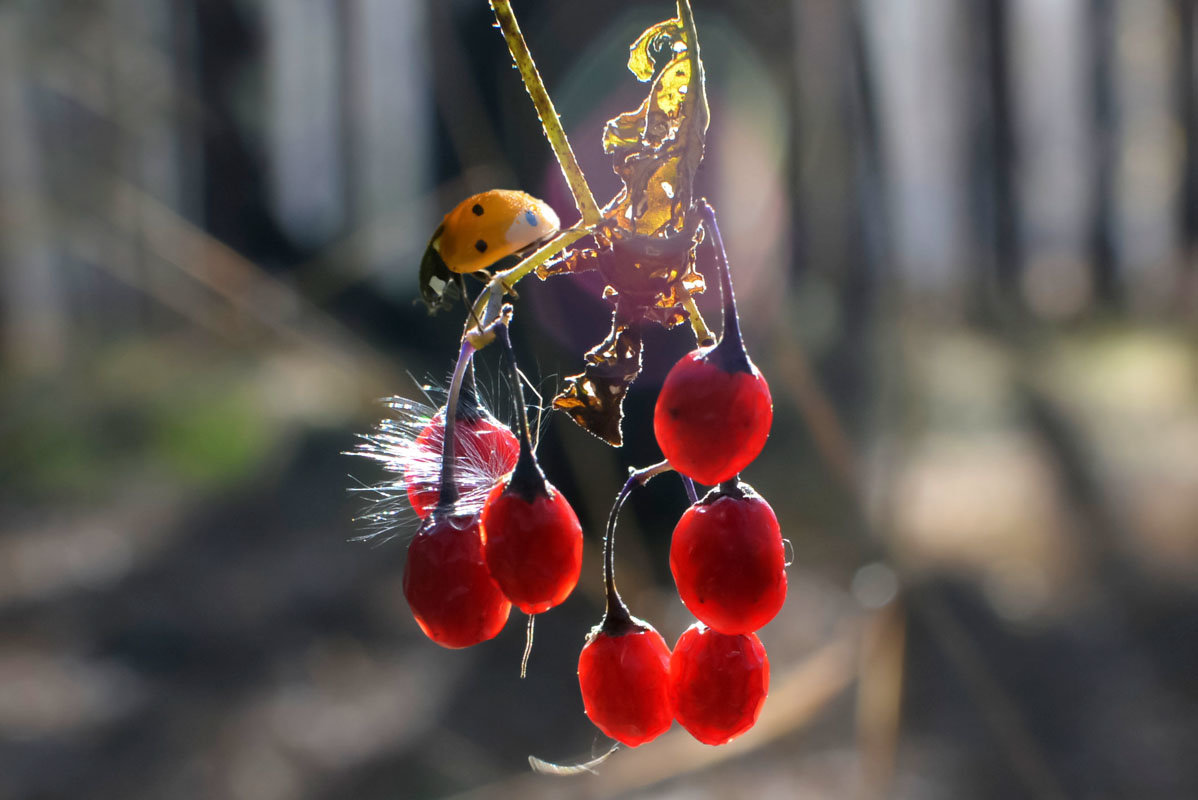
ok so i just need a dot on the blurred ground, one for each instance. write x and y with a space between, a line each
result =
962 235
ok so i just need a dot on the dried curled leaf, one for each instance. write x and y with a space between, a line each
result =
594 399
645 249
657 148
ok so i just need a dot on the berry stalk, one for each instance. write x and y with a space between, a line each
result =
732 488
527 480
485 309
730 352
616 617
449 485
469 409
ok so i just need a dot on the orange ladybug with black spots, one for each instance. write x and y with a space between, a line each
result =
480 231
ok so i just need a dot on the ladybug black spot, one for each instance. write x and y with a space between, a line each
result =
477 209
530 218
480 246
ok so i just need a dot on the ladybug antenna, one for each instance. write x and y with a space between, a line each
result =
527 481
730 353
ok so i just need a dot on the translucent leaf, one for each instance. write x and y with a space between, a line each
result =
645 247
657 147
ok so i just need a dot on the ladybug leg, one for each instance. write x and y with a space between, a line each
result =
466 298
487 304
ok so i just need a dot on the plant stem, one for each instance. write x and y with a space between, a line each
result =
561 241
486 306
732 488
513 376
731 349
469 408
552 124
449 484
527 479
703 335
689 485
616 615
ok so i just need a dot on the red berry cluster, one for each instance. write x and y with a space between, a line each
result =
524 547
714 682
473 558
501 534
727 556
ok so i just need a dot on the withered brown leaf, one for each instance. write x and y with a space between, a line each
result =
595 398
645 247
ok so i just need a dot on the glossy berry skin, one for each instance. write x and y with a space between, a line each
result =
711 423
533 550
479 440
625 682
718 683
447 585
729 562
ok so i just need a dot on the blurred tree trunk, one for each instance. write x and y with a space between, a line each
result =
1007 254
852 129
836 195
1107 285
1187 112
871 233
33 321
230 44
994 159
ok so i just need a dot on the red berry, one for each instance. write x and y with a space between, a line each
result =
533 549
479 440
451 593
711 422
718 683
729 562
625 682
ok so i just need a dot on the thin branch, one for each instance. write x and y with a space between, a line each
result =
703 335
552 124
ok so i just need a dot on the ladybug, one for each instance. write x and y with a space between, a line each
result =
479 232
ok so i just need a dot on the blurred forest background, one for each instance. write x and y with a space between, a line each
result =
963 234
